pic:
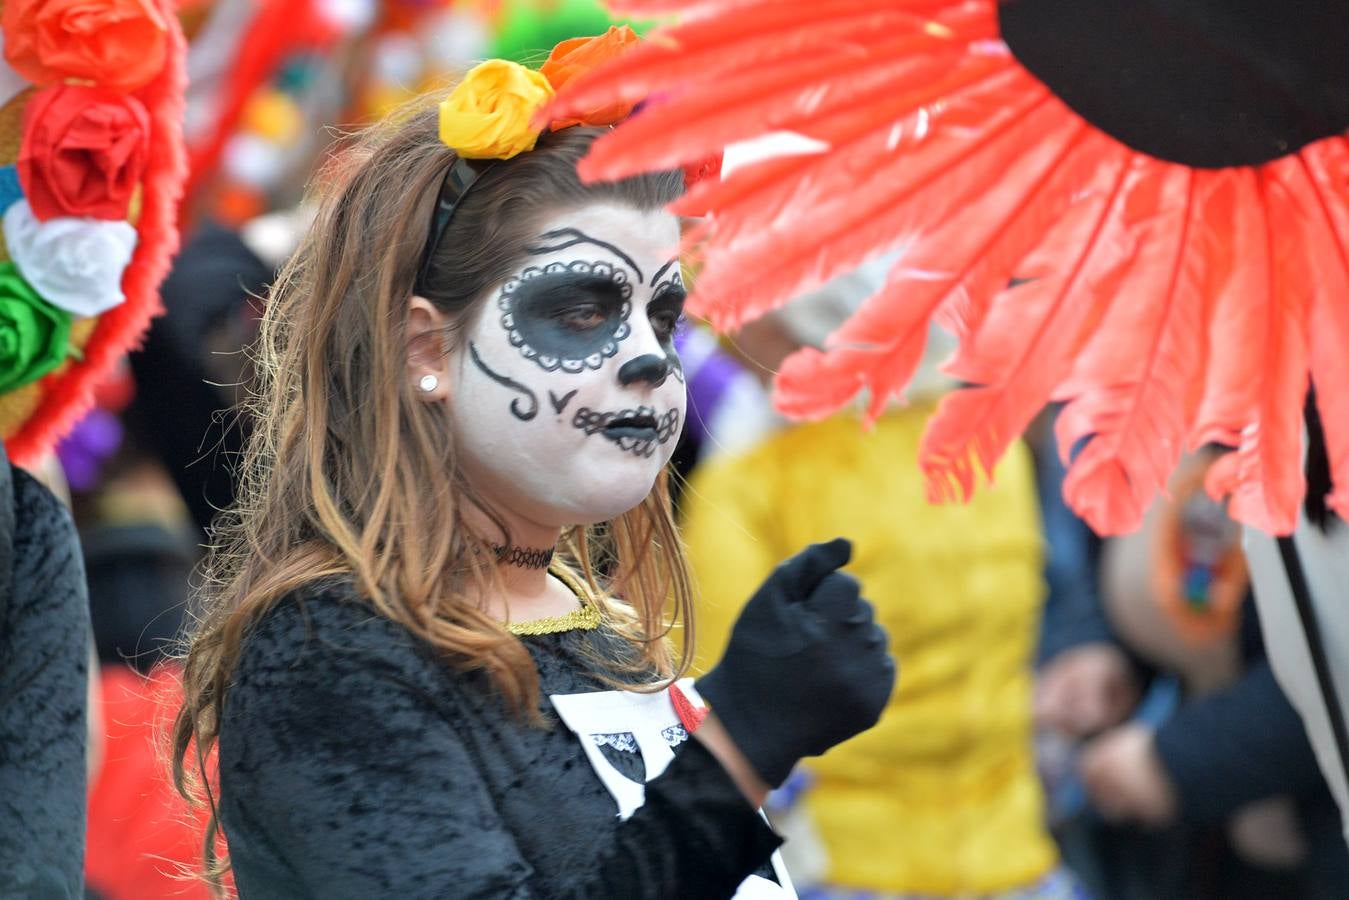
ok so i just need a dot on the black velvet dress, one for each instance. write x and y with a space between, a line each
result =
355 763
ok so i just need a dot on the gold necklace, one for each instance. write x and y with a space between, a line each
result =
587 618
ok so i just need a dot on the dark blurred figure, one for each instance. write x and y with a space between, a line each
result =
140 547
191 370
1218 796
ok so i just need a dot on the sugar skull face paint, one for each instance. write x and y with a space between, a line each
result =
567 315
568 394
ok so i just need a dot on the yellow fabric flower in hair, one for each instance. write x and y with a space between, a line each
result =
488 115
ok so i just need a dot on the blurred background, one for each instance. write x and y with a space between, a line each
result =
1074 718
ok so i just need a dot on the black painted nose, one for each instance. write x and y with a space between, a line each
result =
653 368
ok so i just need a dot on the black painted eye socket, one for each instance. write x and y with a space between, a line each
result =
568 316
666 310
665 323
582 317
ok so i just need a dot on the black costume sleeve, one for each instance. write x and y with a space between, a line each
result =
44 684
340 756
1239 745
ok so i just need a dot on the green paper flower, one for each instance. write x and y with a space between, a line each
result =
34 335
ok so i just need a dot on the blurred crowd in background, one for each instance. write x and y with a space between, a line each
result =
1070 711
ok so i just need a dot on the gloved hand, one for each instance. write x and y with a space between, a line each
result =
806 667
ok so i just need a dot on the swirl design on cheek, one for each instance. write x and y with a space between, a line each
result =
525 413
528 305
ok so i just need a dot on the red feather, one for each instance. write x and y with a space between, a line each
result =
754 263
859 139
764 269
1234 319
785 94
1264 476
963 261
1025 346
1328 165
700 52
1133 409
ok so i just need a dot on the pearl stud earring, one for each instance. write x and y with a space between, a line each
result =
428 383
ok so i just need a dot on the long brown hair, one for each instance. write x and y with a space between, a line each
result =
348 476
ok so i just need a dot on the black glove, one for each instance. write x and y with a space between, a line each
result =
806 667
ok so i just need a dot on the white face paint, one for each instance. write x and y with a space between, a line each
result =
567 396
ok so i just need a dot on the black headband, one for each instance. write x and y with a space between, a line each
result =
459 177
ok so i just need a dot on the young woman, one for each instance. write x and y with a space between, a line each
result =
434 658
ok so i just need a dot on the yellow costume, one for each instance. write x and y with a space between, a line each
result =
941 797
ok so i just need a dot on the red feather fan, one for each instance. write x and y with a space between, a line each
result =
1167 306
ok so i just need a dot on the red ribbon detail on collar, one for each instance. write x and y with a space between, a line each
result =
690 716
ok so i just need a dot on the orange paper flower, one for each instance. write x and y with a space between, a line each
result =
577 56
119 44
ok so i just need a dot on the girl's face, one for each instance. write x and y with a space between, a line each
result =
567 394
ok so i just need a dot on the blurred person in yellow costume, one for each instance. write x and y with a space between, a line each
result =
941 798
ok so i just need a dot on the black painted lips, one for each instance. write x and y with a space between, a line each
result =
637 431
639 425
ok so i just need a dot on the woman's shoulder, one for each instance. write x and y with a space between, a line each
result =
322 628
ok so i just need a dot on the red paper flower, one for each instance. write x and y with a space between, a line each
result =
119 44
83 153
708 169
577 56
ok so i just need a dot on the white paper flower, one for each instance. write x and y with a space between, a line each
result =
75 264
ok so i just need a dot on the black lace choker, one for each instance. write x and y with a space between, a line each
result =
524 557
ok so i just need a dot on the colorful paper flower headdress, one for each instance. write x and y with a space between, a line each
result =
91 169
495 112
